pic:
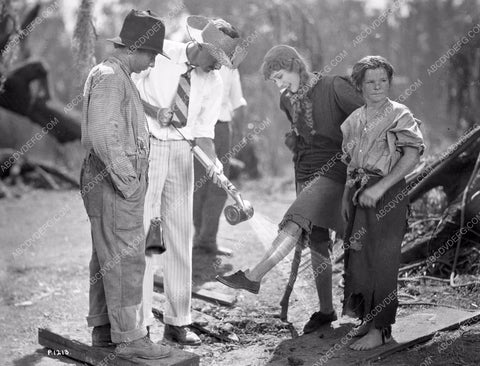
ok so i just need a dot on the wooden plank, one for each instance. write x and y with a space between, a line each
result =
330 344
203 294
417 328
97 356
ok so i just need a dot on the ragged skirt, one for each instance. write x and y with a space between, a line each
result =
317 206
373 239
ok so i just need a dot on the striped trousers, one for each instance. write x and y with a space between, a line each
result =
170 196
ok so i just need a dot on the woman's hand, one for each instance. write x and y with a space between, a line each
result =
291 141
370 196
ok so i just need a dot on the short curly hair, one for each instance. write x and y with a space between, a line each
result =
283 57
370 63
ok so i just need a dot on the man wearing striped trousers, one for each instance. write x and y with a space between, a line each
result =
170 191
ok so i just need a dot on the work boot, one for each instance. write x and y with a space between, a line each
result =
142 348
182 335
317 320
101 336
238 280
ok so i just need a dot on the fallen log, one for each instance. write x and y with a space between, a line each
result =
48 113
451 170
26 90
13 166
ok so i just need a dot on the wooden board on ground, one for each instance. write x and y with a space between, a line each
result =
203 294
420 327
82 351
329 345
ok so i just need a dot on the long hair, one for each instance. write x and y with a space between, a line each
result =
283 57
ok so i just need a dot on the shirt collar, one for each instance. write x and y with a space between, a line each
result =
122 60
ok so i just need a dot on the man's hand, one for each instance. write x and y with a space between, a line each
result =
164 116
208 147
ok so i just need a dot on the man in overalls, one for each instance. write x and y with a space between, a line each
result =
114 181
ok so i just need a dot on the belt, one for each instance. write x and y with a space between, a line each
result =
359 177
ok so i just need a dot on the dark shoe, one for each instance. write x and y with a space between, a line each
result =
317 320
182 335
101 336
210 250
238 280
142 348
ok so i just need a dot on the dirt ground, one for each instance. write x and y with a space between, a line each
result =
45 284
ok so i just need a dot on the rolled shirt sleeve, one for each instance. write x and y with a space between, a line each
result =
407 132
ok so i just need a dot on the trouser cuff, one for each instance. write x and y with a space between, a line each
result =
178 321
129 336
98 320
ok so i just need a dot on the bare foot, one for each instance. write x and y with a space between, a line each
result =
361 330
371 340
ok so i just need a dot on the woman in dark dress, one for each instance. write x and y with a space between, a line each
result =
316 105
382 144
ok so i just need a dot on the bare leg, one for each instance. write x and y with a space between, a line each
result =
322 271
281 246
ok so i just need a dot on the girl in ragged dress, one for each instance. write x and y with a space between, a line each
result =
382 143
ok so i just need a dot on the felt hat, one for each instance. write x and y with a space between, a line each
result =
142 30
226 50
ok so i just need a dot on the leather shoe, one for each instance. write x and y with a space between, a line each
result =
182 335
101 336
142 348
238 280
317 320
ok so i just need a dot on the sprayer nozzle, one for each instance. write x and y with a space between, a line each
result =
236 214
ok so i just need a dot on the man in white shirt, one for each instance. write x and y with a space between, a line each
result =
170 191
208 198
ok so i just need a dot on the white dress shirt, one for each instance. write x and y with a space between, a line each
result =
232 93
158 86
